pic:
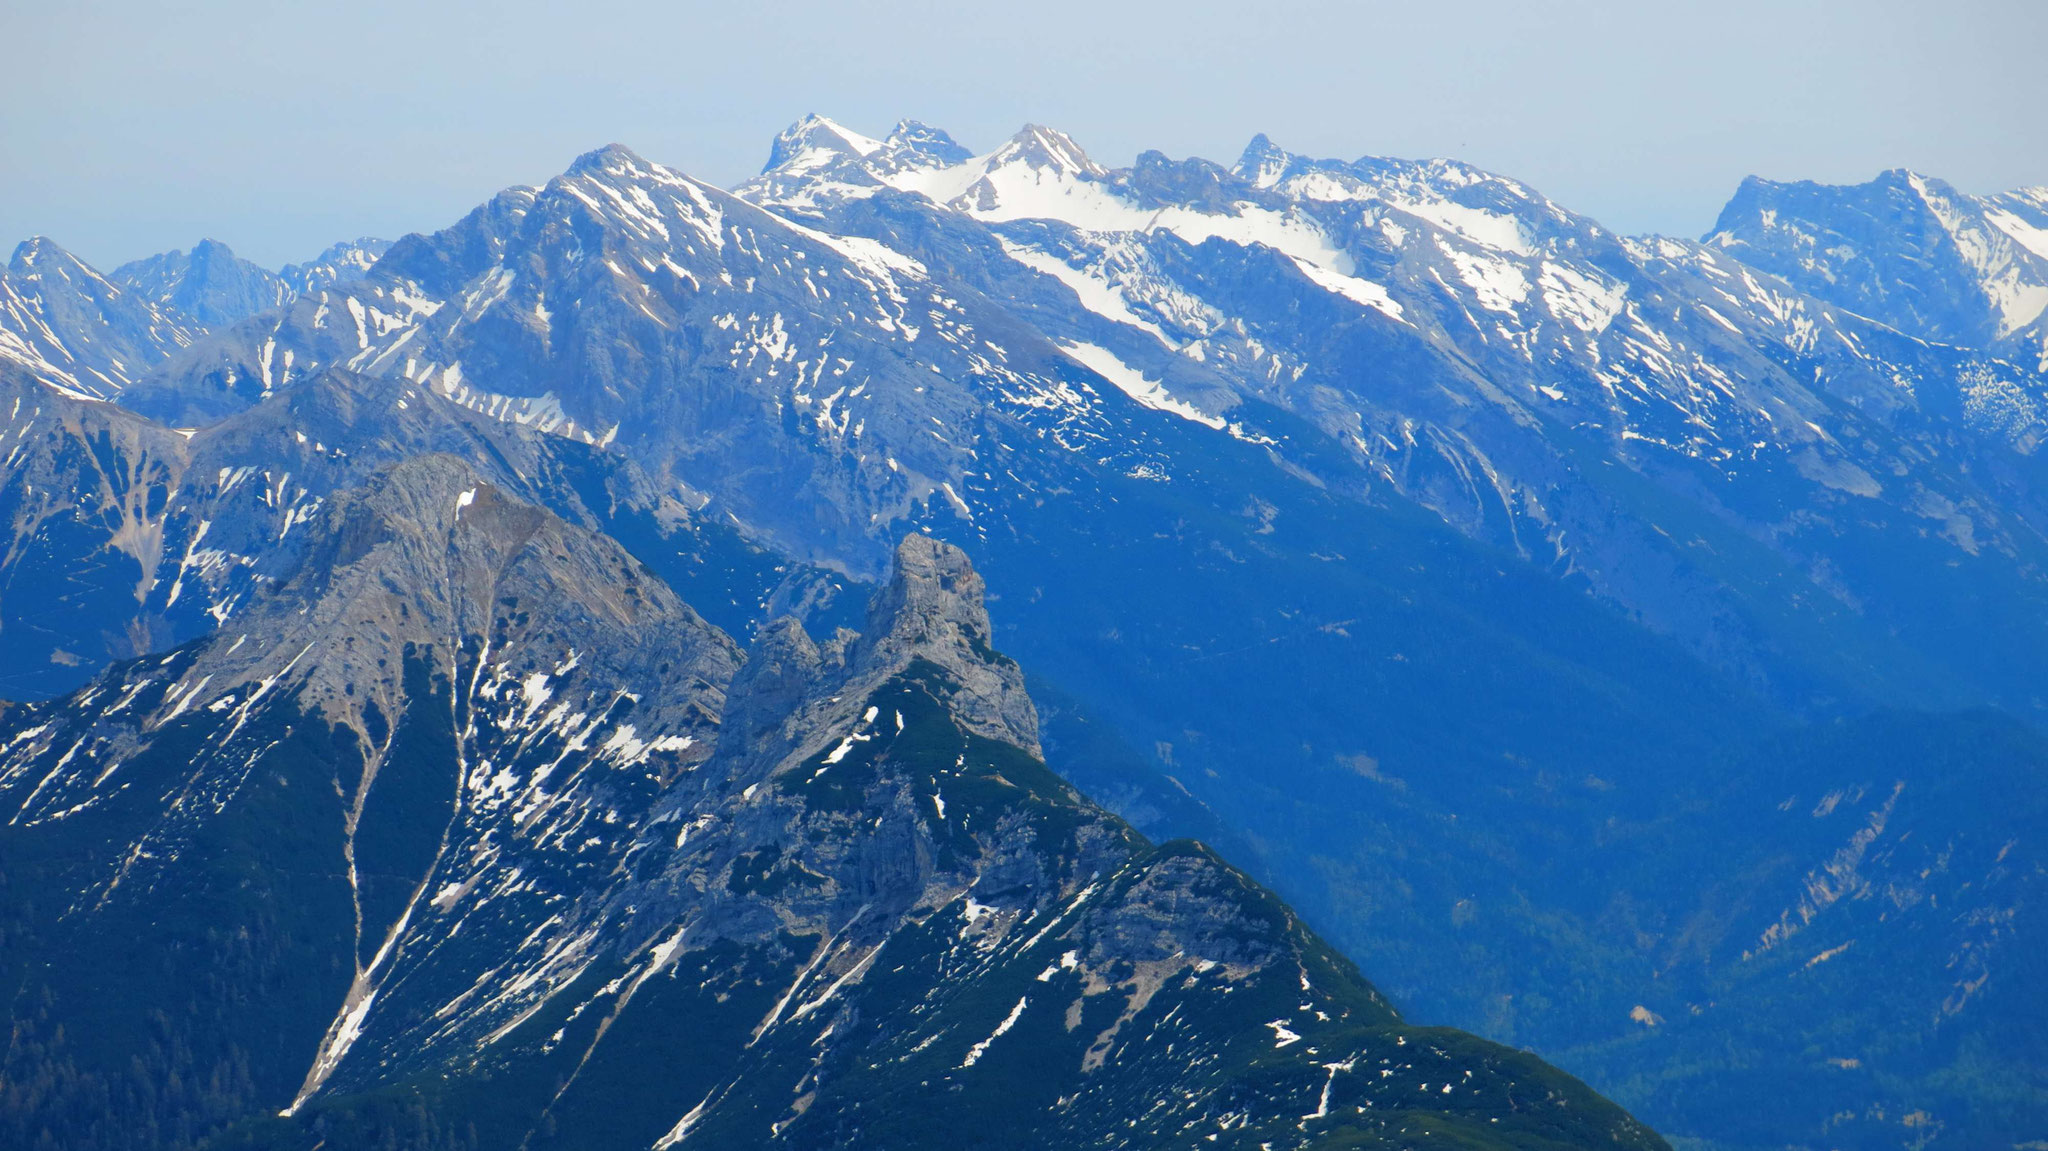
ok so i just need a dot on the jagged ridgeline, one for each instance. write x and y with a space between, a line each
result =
1510 595
127 537
469 833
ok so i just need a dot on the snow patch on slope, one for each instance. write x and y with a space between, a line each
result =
1133 383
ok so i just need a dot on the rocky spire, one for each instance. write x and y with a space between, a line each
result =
1262 161
932 609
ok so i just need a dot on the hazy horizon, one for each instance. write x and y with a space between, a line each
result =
135 130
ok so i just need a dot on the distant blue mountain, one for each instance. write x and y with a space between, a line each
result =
1908 250
1622 647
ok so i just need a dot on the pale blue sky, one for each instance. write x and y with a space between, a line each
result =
278 127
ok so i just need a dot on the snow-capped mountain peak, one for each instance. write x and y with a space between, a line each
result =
1037 146
340 263
1906 249
610 160
914 137
1478 206
40 256
76 330
1262 163
814 142
2009 269
1037 173
2023 215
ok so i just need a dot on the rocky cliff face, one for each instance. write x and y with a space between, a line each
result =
268 804
1906 249
76 330
210 284
84 493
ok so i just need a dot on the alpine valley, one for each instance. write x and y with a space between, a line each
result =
938 649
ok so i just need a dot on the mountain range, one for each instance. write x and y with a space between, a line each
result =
1625 648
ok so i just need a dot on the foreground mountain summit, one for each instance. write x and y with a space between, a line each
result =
485 839
1572 626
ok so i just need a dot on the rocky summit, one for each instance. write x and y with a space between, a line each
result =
488 840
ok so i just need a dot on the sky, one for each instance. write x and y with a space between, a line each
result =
133 127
